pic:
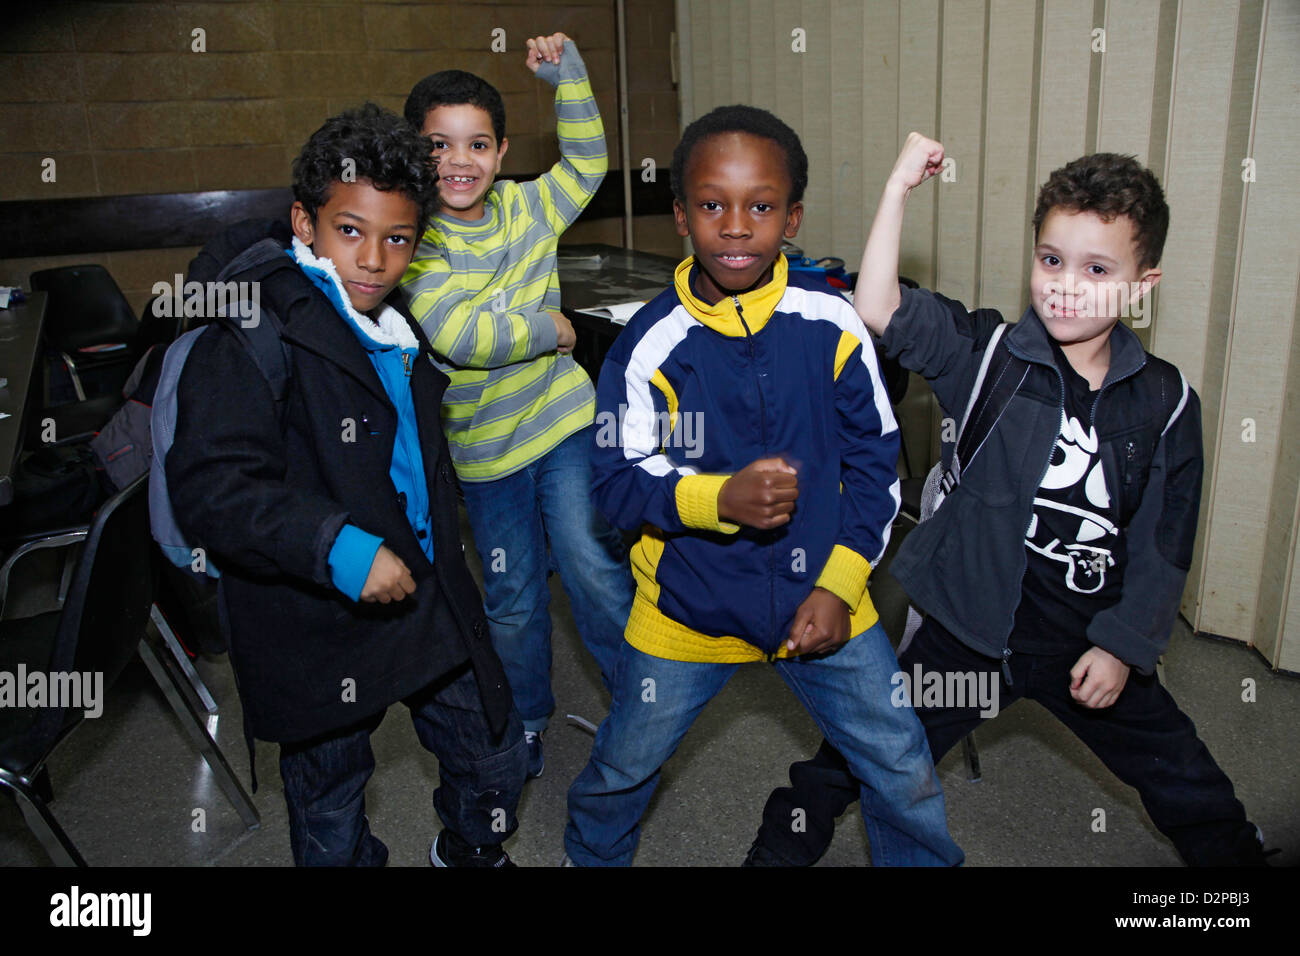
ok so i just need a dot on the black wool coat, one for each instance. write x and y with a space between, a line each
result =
266 494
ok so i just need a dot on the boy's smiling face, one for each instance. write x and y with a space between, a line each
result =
737 211
1086 275
369 234
468 158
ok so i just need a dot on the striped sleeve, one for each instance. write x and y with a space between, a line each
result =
563 192
464 326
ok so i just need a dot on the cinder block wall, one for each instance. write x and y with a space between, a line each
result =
117 95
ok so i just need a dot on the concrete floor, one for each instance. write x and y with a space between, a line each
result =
127 784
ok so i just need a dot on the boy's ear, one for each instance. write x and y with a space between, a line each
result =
501 151
1146 282
301 220
679 219
793 219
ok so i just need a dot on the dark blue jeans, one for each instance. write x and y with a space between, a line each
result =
514 519
1143 738
480 778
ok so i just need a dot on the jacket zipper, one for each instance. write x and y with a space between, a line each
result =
1060 412
762 419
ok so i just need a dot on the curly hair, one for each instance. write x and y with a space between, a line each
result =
384 150
741 119
455 88
1110 185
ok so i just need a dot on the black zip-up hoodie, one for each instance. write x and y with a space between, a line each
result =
965 565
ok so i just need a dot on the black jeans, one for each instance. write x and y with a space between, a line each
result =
1143 738
480 779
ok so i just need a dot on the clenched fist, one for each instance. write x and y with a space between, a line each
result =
760 495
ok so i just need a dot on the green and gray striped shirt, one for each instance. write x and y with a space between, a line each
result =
481 291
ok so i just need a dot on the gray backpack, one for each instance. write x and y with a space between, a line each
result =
265 263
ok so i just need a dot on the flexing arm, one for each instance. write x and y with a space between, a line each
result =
563 191
876 296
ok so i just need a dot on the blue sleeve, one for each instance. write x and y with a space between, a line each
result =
633 479
869 486
350 558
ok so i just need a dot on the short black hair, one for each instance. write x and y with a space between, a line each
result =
455 88
741 119
1110 185
384 149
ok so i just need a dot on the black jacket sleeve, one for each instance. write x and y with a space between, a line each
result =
226 470
937 337
1160 539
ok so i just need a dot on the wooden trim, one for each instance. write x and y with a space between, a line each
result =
96 224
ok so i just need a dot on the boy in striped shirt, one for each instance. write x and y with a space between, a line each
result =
518 414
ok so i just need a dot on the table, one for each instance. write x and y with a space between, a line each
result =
20 350
624 275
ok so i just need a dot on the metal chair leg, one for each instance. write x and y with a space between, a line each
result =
55 840
972 757
194 725
71 366
41 784
201 696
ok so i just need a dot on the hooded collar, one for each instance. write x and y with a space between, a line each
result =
388 330
756 305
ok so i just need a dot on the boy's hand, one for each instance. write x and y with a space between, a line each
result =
1097 678
565 337
761 495
920 159
820 624
545 48
389 578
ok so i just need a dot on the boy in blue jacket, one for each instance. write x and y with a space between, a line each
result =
1054 569
331 512
744 426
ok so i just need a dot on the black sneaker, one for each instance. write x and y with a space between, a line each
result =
450 850
760 855
536 759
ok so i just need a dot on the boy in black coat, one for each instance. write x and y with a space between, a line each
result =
331 513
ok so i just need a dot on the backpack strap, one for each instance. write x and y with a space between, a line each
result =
279 282
1000 375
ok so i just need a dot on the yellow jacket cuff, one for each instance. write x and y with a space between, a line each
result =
845 575
697 503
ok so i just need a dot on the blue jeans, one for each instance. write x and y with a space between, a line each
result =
480 779
848 695
512 519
